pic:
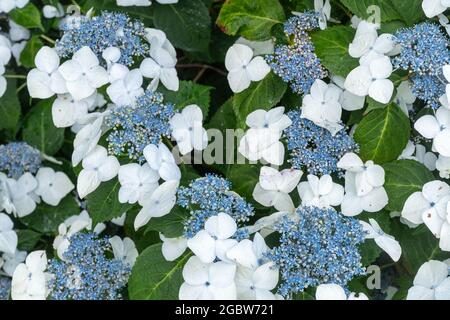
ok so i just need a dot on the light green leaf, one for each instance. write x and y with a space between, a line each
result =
154 278
46 218
332 49
251 19
9 108
186 23
28 16
383 134
39 130
403 178
264 94
409 11
189 93
29 52
103 204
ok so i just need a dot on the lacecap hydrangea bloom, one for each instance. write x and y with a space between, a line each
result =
208 196
109 29
297 63
16 158
314 147
136 126
318 246
86 273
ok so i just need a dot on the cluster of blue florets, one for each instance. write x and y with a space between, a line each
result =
424 51
136 126
320 247
110 29
297 63
86 273
316 148
209 196
16 158
5 287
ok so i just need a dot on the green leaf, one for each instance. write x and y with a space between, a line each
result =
189 93
171 225
39 130
46 218
332 49
409 11
264 94
154 278
29 52
27 239
251 19
186 23
418 246
28 16
383 134
403 178
10 108
103 204
244 179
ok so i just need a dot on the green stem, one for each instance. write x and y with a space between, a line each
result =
48 39
15 76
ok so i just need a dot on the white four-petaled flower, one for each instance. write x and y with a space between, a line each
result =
243 68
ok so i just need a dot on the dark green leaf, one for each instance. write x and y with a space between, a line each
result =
403 178
39 130
332 49
171 225
409 11
251 19
189 93
28 16
103 204
383 134
9 108
154 278
186 23
264 94
29 52
27 239
46 218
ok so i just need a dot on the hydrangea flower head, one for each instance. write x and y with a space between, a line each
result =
424 51
86 273
16 158
297 62
109 29
136 126
208 196
314 147
320 247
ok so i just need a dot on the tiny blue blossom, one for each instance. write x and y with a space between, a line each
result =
207 197
110 29
297 62
320 247
5 287
136 126
86 273
424 51
314 147
16 158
